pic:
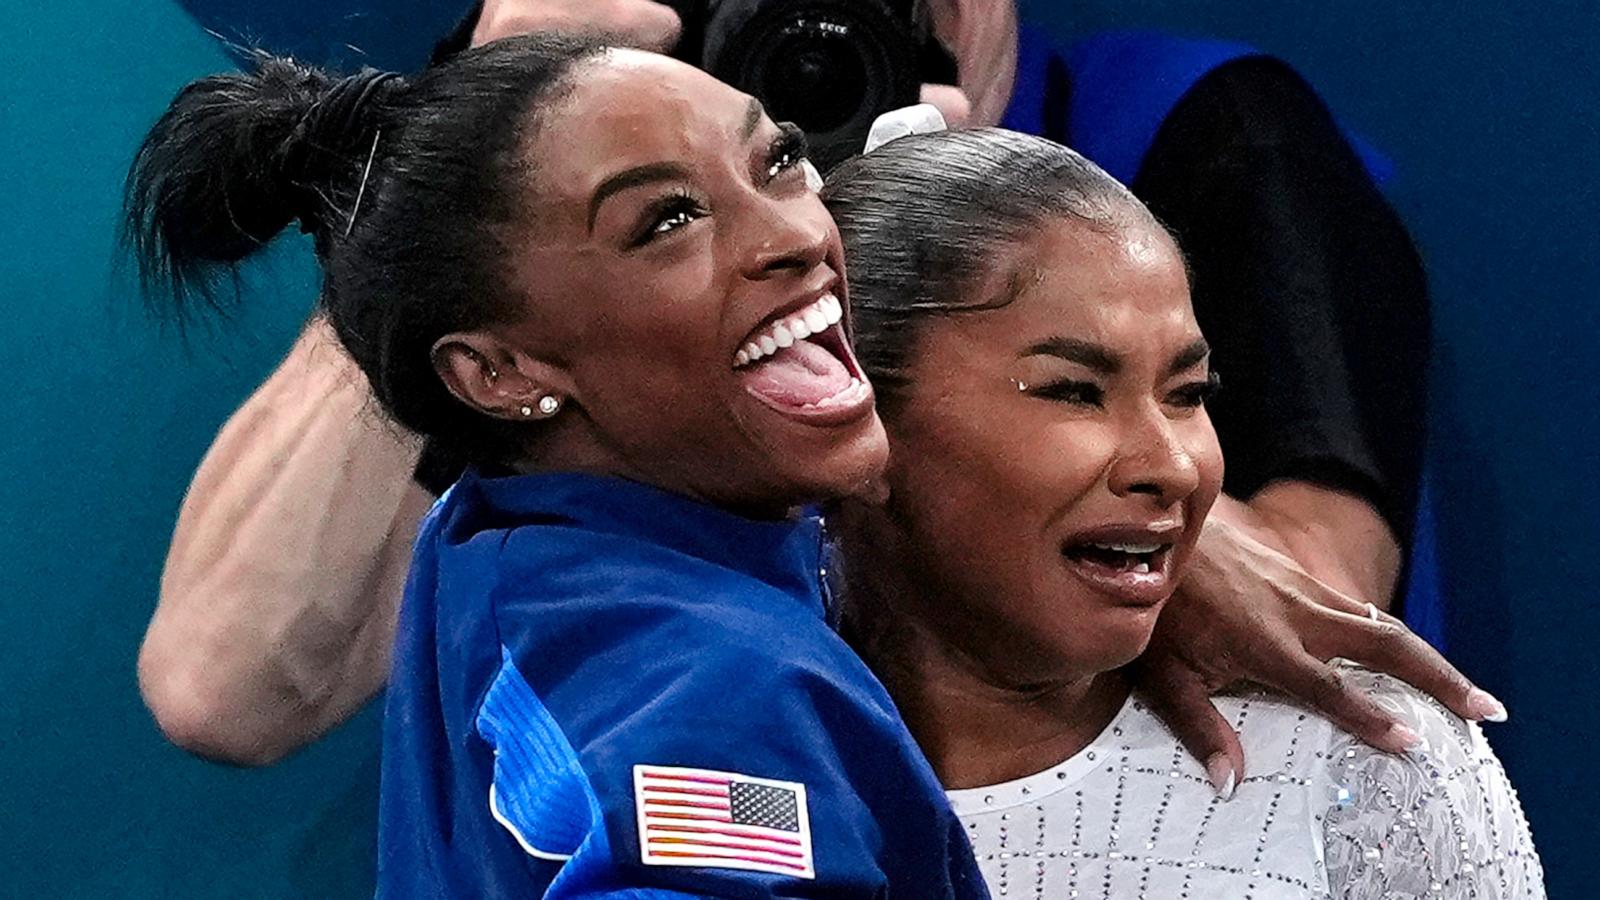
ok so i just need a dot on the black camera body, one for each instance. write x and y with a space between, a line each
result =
829 66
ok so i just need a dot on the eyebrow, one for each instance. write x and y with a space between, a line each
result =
1190 356
1101 359
1105 361
753 114
632 178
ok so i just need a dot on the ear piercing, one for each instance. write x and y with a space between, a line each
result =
549 405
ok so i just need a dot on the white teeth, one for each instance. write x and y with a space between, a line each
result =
1142 568
825 313
1140 549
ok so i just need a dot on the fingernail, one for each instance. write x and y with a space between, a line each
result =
1219 771
1402 736
1485 708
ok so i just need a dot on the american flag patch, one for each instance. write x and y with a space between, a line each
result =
699 817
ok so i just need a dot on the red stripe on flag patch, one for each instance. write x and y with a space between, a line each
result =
699 792
729 821
699 804
731 832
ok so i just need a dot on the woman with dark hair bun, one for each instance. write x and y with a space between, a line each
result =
619 299
1053 466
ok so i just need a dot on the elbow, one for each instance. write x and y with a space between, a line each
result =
191 705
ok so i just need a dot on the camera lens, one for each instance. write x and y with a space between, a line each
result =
815 76
829 66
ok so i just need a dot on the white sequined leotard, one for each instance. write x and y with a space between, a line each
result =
1320 815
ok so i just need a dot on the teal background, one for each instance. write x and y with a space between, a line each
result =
102 419
1490 110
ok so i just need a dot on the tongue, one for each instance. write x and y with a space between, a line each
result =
799 375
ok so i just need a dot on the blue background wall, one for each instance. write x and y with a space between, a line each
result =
1491 114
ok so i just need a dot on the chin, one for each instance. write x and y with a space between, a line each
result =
1119 635
848 467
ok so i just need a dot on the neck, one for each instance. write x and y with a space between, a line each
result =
978 723
982 36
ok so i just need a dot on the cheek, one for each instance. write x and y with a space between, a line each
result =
986 498
1206 452
651 335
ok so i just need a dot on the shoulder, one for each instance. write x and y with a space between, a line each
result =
1441 821
1256 101
1444 815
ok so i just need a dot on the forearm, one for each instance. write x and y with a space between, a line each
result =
1338 538
281 587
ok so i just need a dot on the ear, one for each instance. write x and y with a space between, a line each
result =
490 375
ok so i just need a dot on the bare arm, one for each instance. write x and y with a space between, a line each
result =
281 587
1339 538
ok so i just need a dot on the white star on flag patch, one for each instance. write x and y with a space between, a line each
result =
725 820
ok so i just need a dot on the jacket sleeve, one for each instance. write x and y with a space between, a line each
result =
665 765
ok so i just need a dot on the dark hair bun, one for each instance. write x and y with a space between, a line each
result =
238 157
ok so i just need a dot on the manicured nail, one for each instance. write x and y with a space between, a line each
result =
1219 771
1402 736
1485 708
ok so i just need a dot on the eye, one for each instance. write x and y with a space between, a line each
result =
667 216
1077 393
1197 393
788 150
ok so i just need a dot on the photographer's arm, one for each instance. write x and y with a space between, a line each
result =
281 587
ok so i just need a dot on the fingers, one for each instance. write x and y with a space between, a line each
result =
1344 627
653 26
1387 645
645 24
1179 696
950 101
1331 693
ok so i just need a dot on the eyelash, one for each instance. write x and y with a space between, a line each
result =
1080 393
1087 393
678 209
789 149
668 215
1199 393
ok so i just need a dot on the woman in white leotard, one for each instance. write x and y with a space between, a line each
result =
1043 381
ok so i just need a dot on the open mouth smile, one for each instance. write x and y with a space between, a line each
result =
800 364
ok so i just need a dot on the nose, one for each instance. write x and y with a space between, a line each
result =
787 237
1154 461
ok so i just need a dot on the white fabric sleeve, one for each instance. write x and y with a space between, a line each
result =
1442 822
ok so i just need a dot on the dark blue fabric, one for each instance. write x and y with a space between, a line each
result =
1117 89
651 630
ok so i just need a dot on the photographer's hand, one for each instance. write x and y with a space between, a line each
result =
950 101
643 23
